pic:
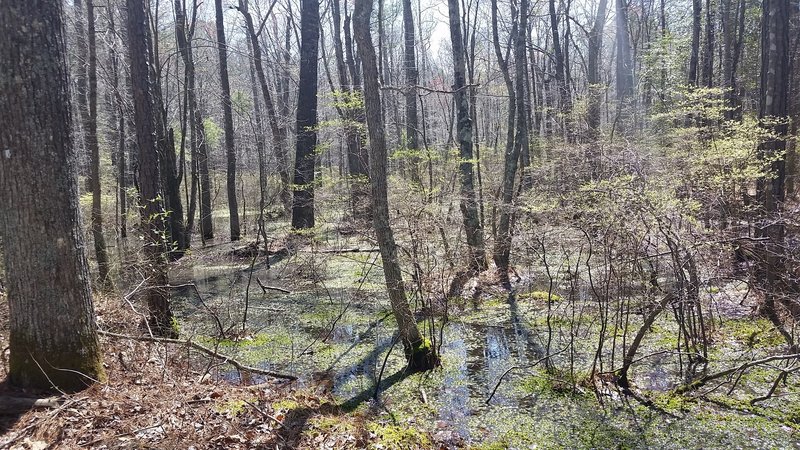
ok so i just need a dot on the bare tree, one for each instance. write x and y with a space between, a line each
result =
230 151
90 130
183 33
469 205
418 350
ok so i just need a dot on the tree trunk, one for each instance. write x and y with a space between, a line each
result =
90 133
303 199
418 350
731 30
353 116
412 79
708 50
564 96
260 145
198 141
150 197
502 250
773 113
230 151
593 113
118 113
52 329
625 92
469 207
694 58
81 85
177 238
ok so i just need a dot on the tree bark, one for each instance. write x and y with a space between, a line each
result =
53 333
305 157
150 196
230 151
469 206
419 353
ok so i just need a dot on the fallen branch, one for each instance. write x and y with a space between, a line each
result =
202 349
700 382
349 250
266 288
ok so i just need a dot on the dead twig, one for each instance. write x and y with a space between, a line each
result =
266 288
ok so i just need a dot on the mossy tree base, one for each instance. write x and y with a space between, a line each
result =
67 371
421 356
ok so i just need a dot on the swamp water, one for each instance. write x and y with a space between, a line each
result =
336 320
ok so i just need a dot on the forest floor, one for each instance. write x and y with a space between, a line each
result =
154 397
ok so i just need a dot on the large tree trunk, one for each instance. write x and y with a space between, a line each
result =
419 352
90 132
53 333
150 198
230 151
773 112
303 199
198 143
469 206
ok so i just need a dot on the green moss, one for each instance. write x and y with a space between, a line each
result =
670 402
540 295
285 405
754 333
66 369
397 437
233 407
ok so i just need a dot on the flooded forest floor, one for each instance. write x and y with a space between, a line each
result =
519 369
